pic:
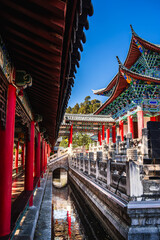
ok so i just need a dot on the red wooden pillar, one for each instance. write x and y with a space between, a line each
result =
114 134
71 133
130 126
107 135
37 158
69 223
30 162
140 119
48 150
42 156
16 156
103 135
45 155
121 130
23 155
99 138
153 119
6 162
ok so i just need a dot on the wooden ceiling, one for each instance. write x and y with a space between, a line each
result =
38 36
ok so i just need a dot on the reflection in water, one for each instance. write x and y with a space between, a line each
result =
72 218
66 223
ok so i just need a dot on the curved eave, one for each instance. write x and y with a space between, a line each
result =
133 54
109 87
140 76
148 45
121 84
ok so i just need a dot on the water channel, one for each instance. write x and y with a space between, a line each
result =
72 217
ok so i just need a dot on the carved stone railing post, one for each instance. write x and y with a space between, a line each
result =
99 158
97 168
99 155
132 154
84 163
80 161
108 172
91 158
144 146
89 166
133 180
129 137
118 140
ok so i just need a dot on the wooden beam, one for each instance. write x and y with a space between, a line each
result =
42 54
56 23
32 65
43 44
36 31
50 65
56 7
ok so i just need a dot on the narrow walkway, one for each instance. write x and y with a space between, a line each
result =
17 186
44 225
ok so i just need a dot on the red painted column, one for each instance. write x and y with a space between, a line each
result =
30 162
103 135
130 126
45 155
16 156
140 119
99 138
121 130
69 223
71 133
153 119
47 150
37 158
114 134
23 155
42 156
6 162
107 135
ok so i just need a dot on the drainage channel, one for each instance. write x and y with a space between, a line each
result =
73 218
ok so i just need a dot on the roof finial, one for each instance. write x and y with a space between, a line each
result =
119 62
133 32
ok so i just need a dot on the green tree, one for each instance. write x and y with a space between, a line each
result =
64 142
69 110
96 106
75 109
85 107
81 139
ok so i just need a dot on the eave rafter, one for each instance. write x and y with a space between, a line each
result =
43 38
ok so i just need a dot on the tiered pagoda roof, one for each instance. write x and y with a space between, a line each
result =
142 64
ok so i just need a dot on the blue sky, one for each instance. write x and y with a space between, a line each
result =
109 36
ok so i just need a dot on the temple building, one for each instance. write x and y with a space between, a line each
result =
134 93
